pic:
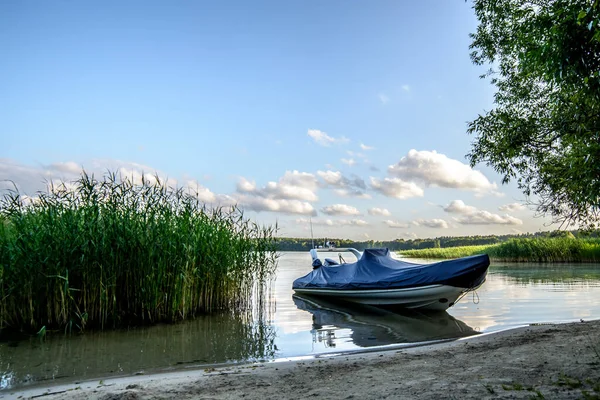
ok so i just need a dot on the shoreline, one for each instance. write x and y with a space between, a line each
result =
549 360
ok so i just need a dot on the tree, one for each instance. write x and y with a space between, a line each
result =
544 131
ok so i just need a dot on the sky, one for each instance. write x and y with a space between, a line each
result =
349 115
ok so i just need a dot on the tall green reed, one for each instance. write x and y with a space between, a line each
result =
110 252
445 252
560 249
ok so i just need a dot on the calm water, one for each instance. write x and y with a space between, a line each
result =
291 326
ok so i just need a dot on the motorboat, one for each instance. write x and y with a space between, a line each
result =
376 278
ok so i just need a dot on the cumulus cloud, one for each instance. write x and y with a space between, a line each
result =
351 222
337 179
324 139
245 186
512 207
409 235
352 192
434 169
348 161
293 185
345 187
340 209
315 221
397 188
365 147
68 167
332 222
383 98
256 203
431 223
379 211
291 194
285 196
30 180
406 88
473 216
459 207
396 224
205 195
202 193
486 218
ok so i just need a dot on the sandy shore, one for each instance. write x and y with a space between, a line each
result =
544 361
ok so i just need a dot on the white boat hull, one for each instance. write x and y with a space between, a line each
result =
431 297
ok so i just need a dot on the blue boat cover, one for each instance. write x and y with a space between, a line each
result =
376 269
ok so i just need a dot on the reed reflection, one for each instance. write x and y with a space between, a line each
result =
225 337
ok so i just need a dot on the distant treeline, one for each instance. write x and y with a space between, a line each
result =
303 244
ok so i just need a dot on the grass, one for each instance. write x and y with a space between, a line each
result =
522 250
109 253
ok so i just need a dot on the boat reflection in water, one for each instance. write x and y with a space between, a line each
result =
373 326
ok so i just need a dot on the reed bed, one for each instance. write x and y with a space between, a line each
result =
562 249
445 252
109 253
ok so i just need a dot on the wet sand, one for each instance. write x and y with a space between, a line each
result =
559 361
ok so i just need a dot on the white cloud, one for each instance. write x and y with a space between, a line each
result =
293 185
348 161
351 192
431 223
435 169
324 139
397 188
30 180
345 187
245 186
383 98
486 218
202 193
409 235
365 147
256 203
356 222
406 88
335 178
68 167
315 221
459 207
474 216
396 224
333 222
340 209
512 207
379 211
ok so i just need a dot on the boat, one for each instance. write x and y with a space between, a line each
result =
376 278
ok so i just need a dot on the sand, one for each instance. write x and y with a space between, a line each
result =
559 361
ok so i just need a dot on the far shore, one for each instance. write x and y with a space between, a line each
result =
553 361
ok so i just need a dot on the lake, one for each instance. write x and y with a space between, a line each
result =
283 326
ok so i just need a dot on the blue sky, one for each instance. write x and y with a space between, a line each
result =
352 114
